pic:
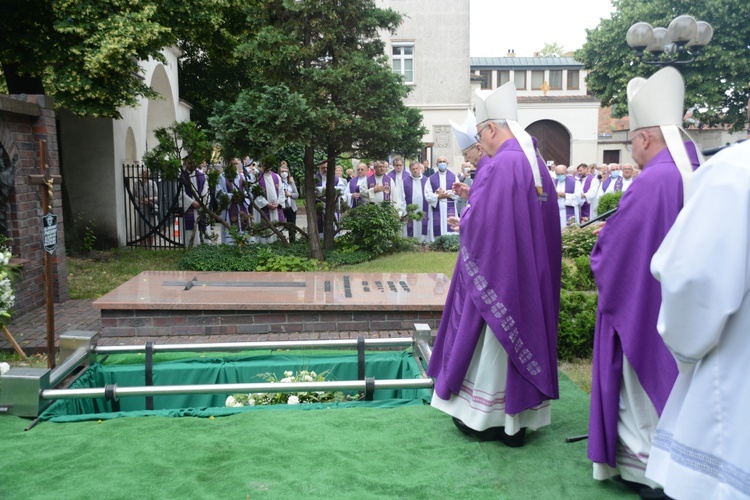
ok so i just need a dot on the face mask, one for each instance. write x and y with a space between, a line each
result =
615 174
560 177
442 167
284 175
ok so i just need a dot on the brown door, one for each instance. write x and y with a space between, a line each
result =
553 141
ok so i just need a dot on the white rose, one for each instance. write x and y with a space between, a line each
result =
288 374
231 401
293 400
287 380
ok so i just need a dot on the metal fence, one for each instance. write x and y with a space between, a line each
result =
153 215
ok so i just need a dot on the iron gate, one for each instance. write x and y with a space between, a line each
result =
153 214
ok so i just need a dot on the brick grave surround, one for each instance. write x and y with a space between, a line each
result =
180 303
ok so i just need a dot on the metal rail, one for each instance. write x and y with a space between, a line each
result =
248 346
120 392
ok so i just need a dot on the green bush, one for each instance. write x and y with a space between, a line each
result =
577 275
446 243
372 227
578 241
337 258
289 263
218 258
575 337
608 201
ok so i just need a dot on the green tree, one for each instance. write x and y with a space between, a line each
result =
318 79
552 50
716 83
86 54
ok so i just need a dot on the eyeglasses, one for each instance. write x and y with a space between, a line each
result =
478 135
629 147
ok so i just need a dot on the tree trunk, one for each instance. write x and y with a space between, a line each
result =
312 211
329 230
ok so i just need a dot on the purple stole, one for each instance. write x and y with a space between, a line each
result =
409 195
605 184
570 187
277 184
235 209
354 188
586 208
450 178
371 183
618 184
189 216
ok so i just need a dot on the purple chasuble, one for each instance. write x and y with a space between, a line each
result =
629 299
277 184
354 188
235 209
508 276
586 207
434 180
409 195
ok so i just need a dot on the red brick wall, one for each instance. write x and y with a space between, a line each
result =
158 323
24 120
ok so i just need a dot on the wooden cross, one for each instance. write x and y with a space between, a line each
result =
47 180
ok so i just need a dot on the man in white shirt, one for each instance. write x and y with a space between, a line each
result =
568 196
439 194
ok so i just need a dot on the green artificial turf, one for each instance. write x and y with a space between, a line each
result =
404 452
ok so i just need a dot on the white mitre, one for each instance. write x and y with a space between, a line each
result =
502 104
659 102
465 133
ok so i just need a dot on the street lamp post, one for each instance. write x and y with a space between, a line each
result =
680 43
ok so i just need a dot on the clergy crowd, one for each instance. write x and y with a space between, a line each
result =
669 369
580 188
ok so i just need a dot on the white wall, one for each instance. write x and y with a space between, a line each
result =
439 30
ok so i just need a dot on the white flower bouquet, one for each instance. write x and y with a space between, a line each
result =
7 295
262 399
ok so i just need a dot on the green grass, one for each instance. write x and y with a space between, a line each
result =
407 262
90 278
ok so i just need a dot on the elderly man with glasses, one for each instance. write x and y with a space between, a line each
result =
633 371
495 356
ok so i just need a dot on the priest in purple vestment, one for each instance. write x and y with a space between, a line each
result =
495 357
633 371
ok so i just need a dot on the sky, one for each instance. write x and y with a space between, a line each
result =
525 26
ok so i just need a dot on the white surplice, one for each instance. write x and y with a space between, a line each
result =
700 450
433 200
272 195
481 402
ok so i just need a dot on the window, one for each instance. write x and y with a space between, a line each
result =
403 61
555 79
537 79
486 79
519 78
503 77
573 79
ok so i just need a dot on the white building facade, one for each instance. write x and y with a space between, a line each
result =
430 50
94 150
553 104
